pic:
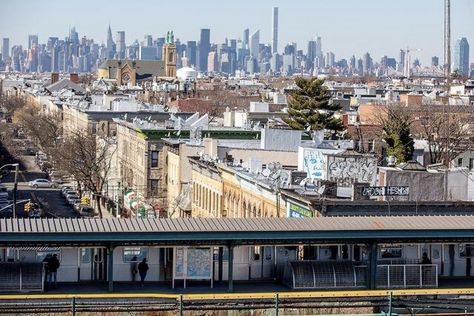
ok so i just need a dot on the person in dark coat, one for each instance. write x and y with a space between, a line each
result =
425 259
142 269
53 266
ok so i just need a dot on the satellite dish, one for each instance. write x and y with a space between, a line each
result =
321 189
266 172
245 165
284 176
271 166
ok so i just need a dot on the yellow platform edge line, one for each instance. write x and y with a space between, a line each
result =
263 295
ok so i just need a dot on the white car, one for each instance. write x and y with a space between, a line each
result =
42 183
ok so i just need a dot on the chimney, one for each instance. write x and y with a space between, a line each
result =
54 77
74 77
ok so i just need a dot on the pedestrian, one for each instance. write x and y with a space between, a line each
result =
142 269
45 261
425 259
134 268
53 266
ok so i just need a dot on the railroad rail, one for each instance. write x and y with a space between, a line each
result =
453 300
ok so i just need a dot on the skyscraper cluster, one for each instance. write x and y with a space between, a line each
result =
247 55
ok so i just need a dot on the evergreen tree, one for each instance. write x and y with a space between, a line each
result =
396 128
309 106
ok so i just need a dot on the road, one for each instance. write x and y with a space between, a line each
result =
52 201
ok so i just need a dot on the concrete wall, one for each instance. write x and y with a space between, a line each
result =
122 270
424 186
275 139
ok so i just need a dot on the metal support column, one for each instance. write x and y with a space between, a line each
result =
230 273
110 267
372 265
220 263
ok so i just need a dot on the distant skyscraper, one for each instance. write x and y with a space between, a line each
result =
461 57
367 64
319 46
401 61
255 44
204 48
148 40
434 61
275 31
32 39
191 53
5 49
120 44
110 44
246 38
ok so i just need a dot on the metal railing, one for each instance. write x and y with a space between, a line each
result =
21 276
407 276
324 274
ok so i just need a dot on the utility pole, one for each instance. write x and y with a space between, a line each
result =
15 187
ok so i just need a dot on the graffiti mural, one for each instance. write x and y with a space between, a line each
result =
314 163
345 170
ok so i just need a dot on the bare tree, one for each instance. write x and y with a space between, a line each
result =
447 132
87 160
44 130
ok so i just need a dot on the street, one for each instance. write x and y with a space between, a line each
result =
51 200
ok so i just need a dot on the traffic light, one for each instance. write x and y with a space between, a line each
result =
28 206
85 200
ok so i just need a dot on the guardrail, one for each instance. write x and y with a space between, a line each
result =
407 276
21 276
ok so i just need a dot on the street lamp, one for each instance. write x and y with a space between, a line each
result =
15 186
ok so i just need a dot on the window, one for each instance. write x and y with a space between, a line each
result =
86 254
154 186
459 162
40 255
255 253
154 159
130 252
225 254
390 252
466 250
371 145
471 163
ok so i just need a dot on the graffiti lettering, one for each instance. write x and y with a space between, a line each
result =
386 191
347 170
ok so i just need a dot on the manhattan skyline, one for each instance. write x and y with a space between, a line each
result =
346 27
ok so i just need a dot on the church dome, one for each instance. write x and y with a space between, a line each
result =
186 73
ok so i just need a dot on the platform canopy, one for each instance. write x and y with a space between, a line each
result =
234 231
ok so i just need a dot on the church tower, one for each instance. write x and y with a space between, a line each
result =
169 55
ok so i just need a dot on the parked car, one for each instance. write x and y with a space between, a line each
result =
86 211
42 183
64 189
69 191
72 200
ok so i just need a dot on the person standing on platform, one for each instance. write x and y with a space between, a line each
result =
53 266
142 269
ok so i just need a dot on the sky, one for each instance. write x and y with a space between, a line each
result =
347 27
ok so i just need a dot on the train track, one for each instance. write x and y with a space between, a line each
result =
443 300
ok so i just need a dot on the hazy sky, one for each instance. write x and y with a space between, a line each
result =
347 27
